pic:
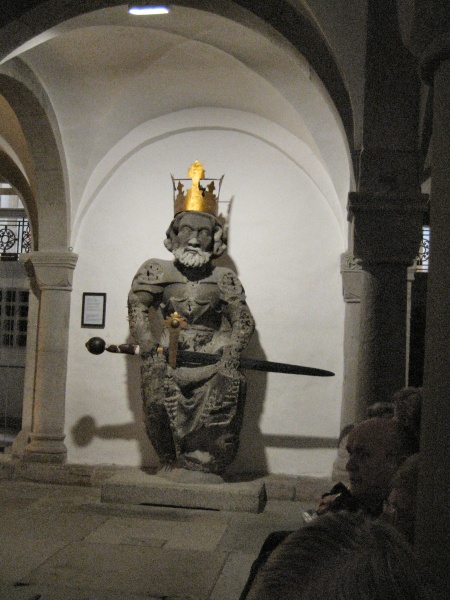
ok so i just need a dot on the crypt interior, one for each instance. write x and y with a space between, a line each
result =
330 123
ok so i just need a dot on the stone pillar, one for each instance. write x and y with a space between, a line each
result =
387 234
433 519
51 273
387 209
21 440
351 272
409 286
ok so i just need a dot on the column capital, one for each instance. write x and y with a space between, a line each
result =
424 27
51 270
387 228
351 271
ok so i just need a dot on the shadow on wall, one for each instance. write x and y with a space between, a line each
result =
251 454
251 457
86 429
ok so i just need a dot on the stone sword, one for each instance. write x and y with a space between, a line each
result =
97 345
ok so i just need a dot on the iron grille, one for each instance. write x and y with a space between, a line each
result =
424 251
15 238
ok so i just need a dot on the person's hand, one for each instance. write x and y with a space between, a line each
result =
325 503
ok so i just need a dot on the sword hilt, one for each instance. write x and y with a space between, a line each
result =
174 323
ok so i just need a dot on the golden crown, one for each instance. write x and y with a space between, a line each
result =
200 196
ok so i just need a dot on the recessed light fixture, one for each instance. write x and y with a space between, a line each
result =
144 8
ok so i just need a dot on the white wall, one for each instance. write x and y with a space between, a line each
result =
285 241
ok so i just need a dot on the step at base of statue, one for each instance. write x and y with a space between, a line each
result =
140 488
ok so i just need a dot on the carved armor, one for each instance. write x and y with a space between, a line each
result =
193 414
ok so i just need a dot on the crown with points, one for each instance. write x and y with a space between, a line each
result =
200 196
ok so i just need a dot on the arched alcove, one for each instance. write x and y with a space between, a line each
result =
285 240
128 104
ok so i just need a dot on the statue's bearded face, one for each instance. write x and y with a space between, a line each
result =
193 244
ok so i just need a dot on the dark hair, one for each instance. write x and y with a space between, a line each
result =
342 556
344 432
405 482
218 233
407 410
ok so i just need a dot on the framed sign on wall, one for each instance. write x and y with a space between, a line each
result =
93 311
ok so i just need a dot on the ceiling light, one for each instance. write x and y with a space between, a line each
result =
143 8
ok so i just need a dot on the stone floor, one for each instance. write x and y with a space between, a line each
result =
60 542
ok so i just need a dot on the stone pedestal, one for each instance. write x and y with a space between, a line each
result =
51 279
137 487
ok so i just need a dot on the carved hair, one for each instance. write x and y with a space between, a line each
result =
218 234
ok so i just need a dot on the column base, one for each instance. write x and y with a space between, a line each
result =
45 448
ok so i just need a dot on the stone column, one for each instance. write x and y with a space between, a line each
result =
51 273
409 286
387 234
387 209
21 440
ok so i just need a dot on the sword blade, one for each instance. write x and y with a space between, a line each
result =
197 358
184 357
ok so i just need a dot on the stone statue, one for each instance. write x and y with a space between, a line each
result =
193 413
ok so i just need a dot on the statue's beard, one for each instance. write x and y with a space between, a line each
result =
194 257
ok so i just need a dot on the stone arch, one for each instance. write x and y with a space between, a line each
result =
45 196
208 119
294 24
38 172
10 171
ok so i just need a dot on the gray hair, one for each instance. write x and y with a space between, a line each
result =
342 556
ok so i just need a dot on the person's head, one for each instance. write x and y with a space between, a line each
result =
380 409
195 238
342 556
376 449
401 506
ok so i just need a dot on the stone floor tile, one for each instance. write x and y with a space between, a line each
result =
21 490
204 534
42 592
64 544
133 570
233 576
47 524
22 554
246 533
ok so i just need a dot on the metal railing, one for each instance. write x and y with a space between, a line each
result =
15 238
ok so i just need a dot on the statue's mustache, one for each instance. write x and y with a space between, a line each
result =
191 256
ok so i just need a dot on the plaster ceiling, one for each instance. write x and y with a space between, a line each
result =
108 72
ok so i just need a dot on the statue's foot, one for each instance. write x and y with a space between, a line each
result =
178 475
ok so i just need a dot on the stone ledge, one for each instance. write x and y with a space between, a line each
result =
278 487
139 488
